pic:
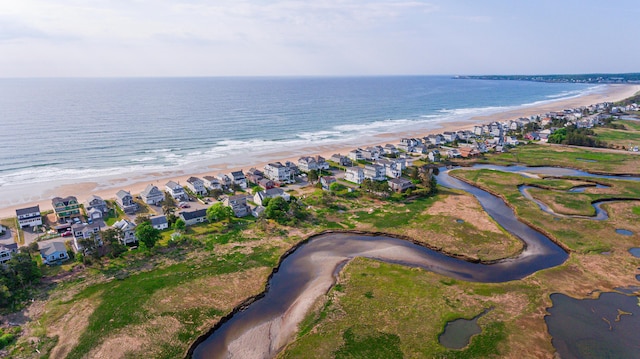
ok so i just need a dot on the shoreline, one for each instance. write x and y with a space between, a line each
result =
136 182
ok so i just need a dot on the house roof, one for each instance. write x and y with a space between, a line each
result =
237 174
193 214
28 210
172 184
53 248
211 179
124 225
8 247
122 193
65 201
193 180
158 220
93 197
274 192
149 189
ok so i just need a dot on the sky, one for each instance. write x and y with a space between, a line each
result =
123 38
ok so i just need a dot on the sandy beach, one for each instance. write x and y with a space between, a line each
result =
41 193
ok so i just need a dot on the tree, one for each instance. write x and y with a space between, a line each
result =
312 176
141 218
169 205
111 238
147 234
277 209
179 224
219 212
25 269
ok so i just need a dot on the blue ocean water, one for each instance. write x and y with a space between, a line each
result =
83 128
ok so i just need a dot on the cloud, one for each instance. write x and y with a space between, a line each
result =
12 29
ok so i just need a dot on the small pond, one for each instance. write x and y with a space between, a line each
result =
624 232
607 327
460 220
638 277
457 333
586 160
635 251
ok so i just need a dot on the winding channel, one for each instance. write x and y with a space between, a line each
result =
262 327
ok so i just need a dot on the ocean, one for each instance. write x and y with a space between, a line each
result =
83 129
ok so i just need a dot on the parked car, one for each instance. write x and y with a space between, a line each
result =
66 234
184 205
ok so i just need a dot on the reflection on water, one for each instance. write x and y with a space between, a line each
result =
607 327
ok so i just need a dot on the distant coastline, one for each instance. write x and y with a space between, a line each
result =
625 78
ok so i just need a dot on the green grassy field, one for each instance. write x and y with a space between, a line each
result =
571 157
383 310
630 136
593 234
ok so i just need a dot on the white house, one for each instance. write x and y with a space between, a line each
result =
259 197
29 217
86 231
354 174
128 230
278 172
238 178
159 222
375 172
176 191
152 195
7 251
211 182
196 185
194 217
307 163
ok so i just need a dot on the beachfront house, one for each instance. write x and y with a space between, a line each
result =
374 172
355 155
96 202
212 183
259 197
152 195
341 160
176 191
238 178
390 149
124 200
354 174
196 185
400 184
225 180
194 217
321 163
54 253
159 222
7 250
238 204
127 232
29 216
94 214
278 172
254 175
307 163
66 208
